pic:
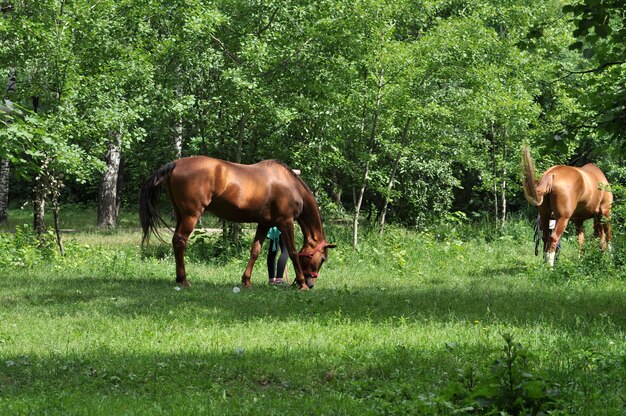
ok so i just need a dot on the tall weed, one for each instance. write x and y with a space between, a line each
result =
212 247
510 387
24 248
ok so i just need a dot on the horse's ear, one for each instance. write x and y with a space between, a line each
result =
330 245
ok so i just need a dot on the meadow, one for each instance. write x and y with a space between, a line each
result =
458 320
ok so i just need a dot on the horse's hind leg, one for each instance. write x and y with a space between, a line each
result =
605 220
255 250
607 231
581 235
184 227
561 224
602 230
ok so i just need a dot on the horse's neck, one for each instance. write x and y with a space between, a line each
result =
310 221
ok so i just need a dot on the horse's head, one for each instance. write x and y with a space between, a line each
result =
311 260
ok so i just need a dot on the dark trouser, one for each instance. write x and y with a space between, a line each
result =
282 260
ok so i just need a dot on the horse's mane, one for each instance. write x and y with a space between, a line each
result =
297 177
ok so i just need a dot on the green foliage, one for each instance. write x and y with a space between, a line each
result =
448 89
213 248
35 144
601 38
593 264
509 388
25 249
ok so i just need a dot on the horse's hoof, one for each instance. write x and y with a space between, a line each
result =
183 282
246 284
304 287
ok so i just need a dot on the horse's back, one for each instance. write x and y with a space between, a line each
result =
594 172
579 192
602 185
244 193
192 183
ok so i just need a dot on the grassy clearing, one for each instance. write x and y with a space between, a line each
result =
386 330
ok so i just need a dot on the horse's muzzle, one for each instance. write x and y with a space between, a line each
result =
310 281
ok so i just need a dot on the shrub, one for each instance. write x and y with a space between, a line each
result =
509 388
24 248
214 248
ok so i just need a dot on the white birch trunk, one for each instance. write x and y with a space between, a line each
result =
392 177
5 167
359 201
241 127
503 183
4 191
107 201
178 129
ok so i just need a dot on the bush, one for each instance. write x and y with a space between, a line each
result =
24 248
509 388
214 248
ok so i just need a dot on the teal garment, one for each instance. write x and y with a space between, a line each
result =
274 234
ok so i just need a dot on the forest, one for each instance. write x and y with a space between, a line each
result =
409 112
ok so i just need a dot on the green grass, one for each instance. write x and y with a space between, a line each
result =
386 329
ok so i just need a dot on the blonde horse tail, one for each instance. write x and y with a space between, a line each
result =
530 186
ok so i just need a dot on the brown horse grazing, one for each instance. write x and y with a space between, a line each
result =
568 192
267 193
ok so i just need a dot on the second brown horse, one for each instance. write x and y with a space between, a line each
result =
267 193
568 192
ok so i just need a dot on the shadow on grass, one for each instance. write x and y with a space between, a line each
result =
554 305
308 381
296 382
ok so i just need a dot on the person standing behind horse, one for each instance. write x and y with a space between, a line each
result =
539 232
276 269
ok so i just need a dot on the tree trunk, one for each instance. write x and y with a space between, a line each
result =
39 204
357 208
494 171
4 191
107 201
5 167
55 212
118 188
336 191
241 135
235 228
178 129
178 138
392 177
504 172
39 190
359 201
39 210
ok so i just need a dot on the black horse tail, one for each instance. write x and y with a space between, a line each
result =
148 202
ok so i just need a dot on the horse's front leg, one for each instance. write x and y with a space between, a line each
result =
287 231
255 250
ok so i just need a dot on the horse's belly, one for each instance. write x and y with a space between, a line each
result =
586 210
235 213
